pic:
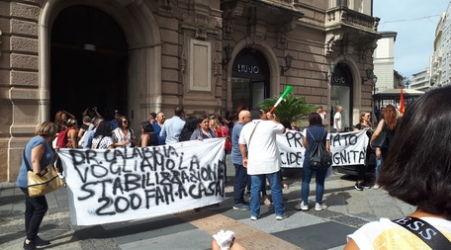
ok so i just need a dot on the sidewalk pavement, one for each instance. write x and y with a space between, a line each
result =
347 210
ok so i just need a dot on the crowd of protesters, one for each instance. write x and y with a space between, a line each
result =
96 132
257 164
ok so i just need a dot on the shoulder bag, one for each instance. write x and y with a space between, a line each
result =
380 141
45 182
425 231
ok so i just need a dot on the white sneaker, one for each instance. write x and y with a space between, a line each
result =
319 207
301 206
254 218
281 217
376 186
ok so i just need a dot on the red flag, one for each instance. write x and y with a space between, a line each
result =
401 102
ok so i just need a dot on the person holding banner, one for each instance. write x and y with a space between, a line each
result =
204 131
364 124
316 129
261 156
418 172
38 153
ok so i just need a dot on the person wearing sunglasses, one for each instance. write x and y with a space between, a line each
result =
364 124
123 135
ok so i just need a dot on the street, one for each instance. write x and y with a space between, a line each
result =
347 210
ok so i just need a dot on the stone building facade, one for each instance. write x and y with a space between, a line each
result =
211 56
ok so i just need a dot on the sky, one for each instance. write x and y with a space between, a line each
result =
415 22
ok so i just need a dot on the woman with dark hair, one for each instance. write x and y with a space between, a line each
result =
38 153
103 137
314 131
388 125
190 125
204 131
148 137
418 172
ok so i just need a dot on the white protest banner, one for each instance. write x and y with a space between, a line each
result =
116 185
347 148
291 149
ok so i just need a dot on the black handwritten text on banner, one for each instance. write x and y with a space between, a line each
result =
347 148
124 184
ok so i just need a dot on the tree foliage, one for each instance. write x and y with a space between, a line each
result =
292 108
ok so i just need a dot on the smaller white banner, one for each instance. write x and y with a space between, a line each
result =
347 148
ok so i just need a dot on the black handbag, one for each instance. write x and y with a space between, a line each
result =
380 141
319 157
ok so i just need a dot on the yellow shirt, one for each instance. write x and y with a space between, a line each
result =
385 234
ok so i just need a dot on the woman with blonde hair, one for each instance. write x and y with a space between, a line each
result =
38 154
364 124
387 125
72 134
214 123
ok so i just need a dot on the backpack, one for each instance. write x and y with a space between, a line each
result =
61 140
319 157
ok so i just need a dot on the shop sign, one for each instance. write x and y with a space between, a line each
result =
250 69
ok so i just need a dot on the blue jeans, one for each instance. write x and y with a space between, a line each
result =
276 193
378 167
306 178
239 186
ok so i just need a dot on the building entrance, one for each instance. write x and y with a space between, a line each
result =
250 79
88 63
341 93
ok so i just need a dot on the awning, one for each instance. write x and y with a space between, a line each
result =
393 94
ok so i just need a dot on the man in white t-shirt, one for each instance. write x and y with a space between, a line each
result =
261 156
337 119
